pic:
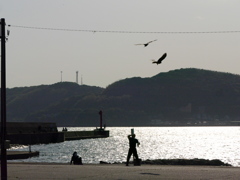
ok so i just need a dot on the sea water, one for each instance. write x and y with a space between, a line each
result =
210 143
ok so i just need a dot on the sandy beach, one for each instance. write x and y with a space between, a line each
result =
118 171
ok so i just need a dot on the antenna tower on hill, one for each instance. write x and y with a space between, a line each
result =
77 77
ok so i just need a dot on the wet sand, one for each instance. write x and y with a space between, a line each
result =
118 171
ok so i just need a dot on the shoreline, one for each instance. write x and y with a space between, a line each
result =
17 155
163 162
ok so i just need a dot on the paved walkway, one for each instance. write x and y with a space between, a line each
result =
118 172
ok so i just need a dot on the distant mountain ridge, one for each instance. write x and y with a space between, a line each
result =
178 97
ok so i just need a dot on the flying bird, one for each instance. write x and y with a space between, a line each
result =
160 59
146 44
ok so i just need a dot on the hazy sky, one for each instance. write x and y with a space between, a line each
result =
37 56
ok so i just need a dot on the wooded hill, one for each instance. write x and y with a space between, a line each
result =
179 97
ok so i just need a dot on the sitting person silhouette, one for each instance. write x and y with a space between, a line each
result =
76 159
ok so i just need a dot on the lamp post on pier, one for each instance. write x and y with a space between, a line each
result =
100 113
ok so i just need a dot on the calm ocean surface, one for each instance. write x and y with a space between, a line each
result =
221 143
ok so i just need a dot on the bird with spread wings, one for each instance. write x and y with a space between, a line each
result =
160 59
146 44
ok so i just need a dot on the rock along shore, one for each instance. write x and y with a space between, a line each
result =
200 162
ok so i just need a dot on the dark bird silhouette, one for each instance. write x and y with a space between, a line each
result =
146 44
160 59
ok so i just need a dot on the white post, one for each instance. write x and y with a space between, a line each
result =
132 131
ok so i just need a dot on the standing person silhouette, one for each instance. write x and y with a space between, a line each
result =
132 147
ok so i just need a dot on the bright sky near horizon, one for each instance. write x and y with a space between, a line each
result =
37 56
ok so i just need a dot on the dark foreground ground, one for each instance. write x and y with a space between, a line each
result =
118 172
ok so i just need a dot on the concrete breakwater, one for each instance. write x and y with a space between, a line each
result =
76 135
44 133
54 137
21 154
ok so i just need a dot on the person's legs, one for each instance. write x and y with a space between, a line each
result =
129 155
134 151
